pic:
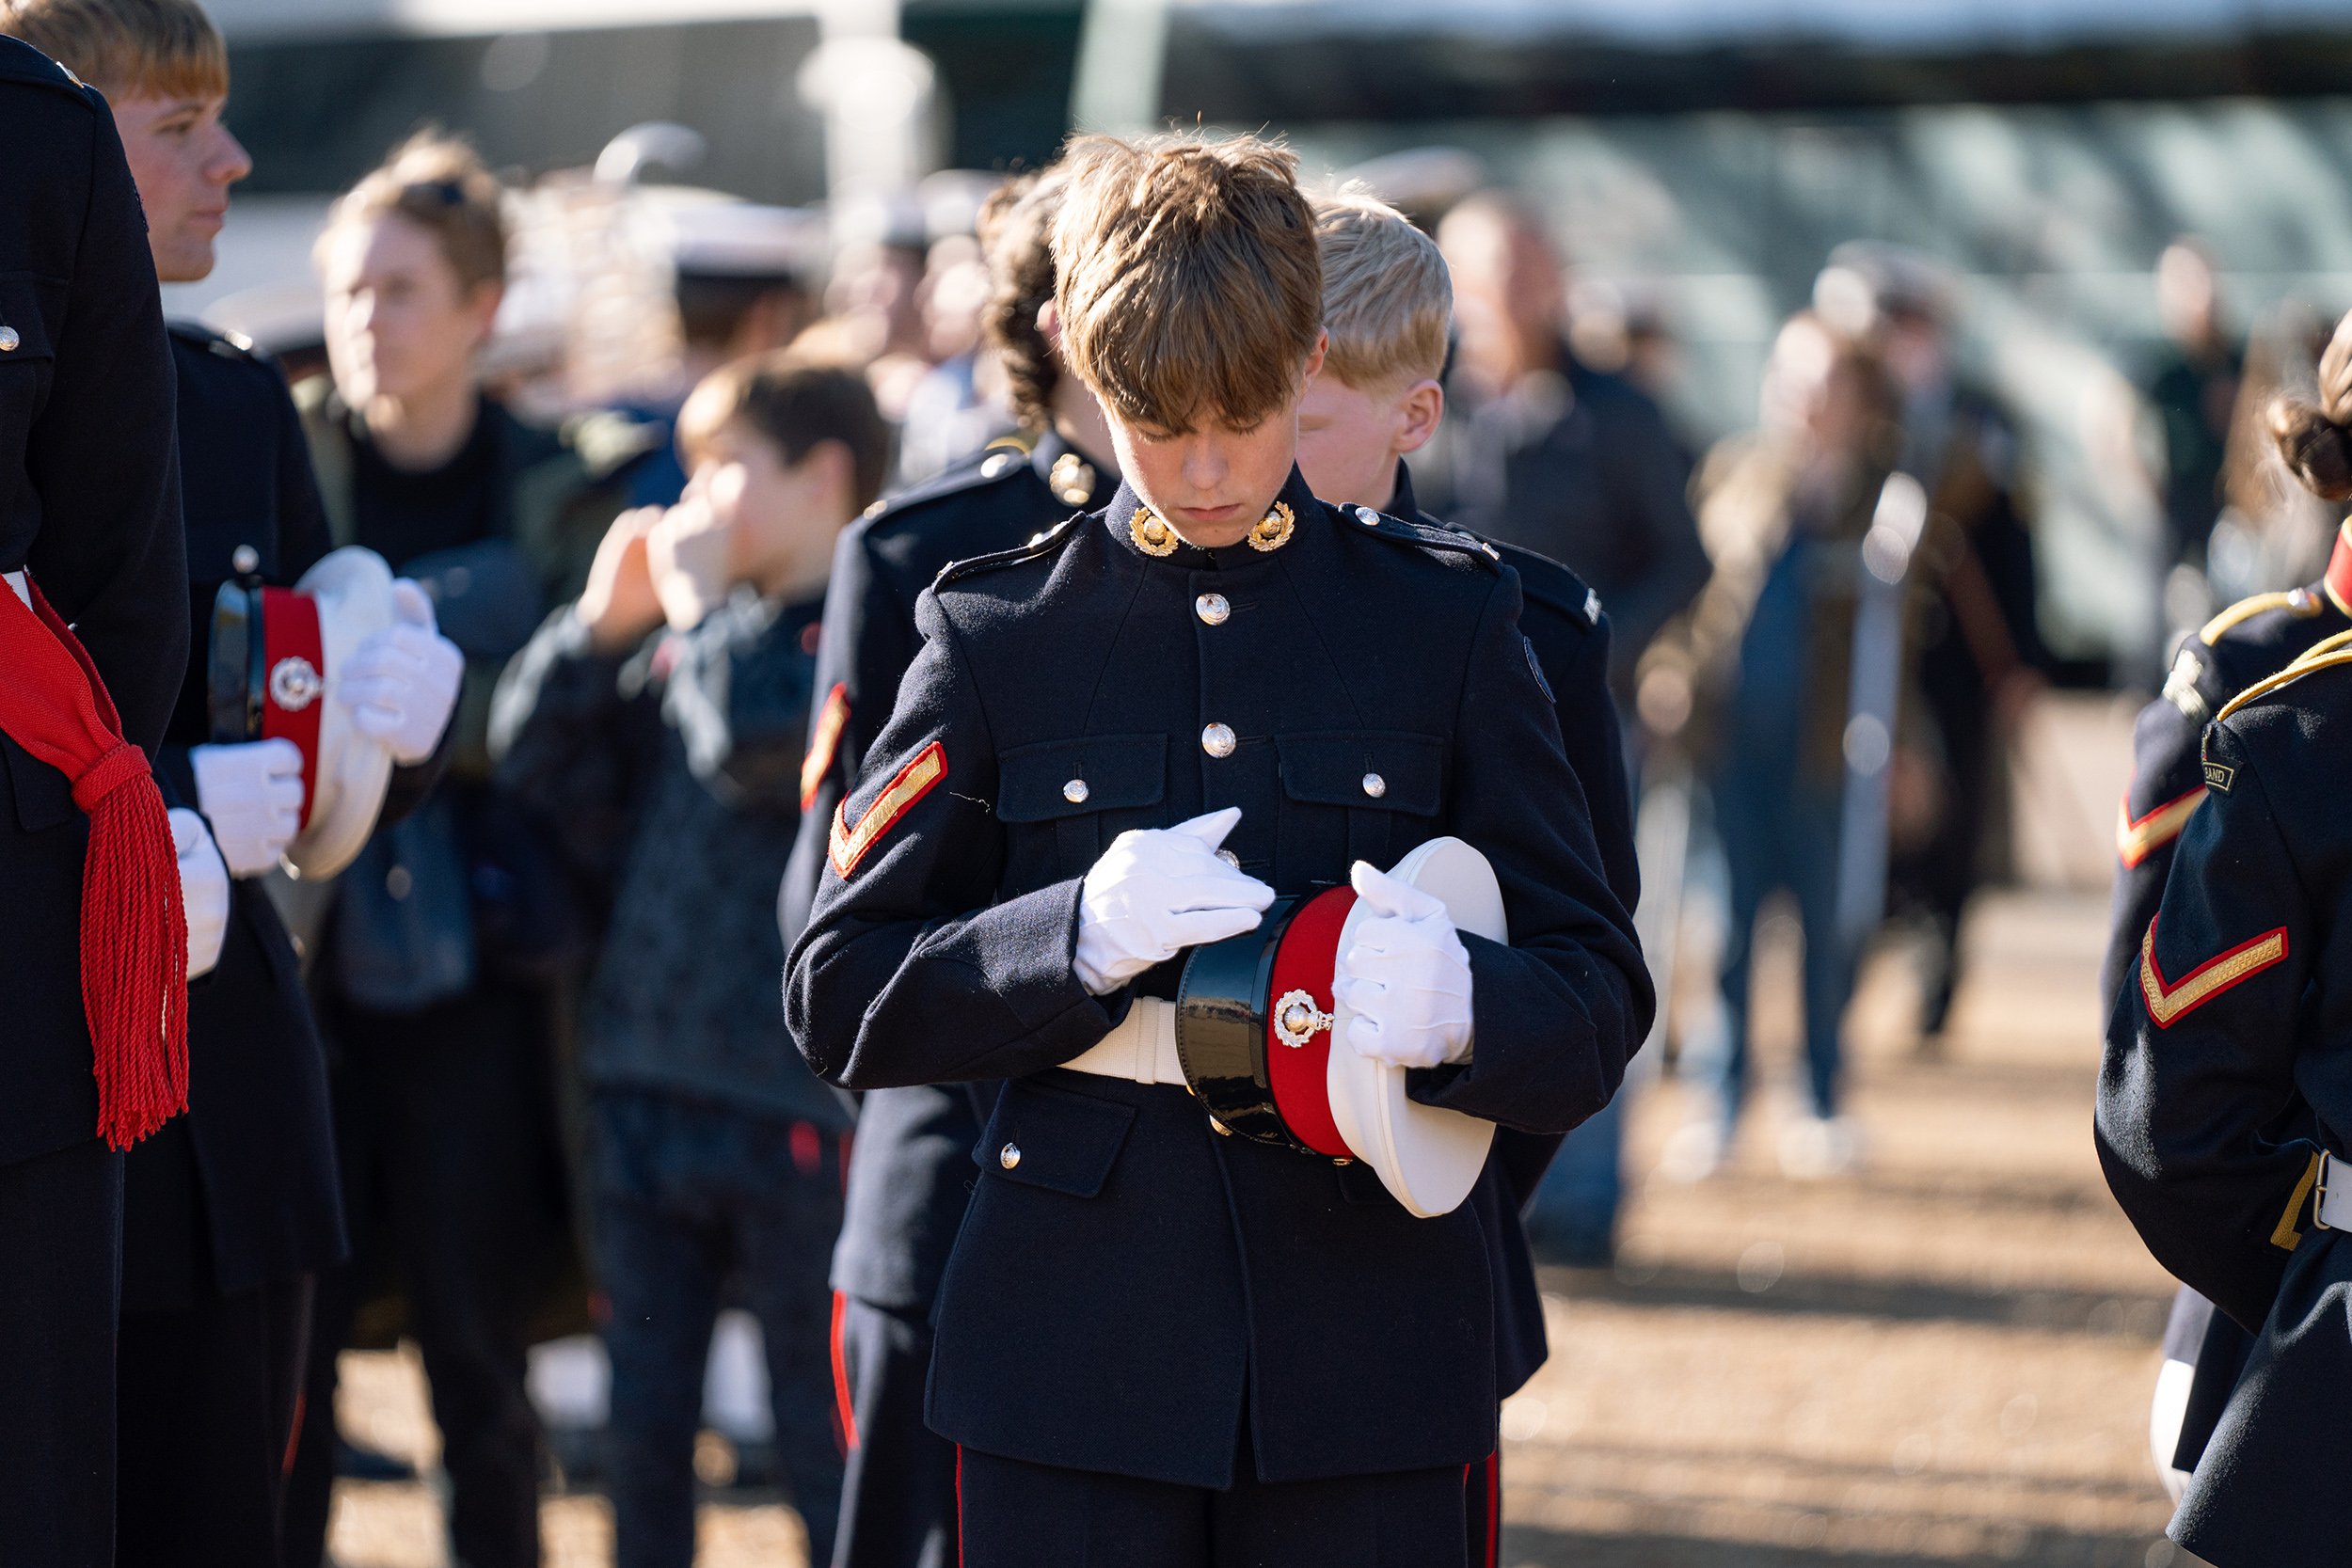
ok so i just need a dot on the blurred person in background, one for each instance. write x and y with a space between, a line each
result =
910 1173
1769 645
660 721
2193 386
1974 627
738 277
93 596
441 964
1579 465
1547 452
230 1209
874 313
957 407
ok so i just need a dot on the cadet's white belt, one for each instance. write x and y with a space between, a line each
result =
1142 1047
16 581
2335 1194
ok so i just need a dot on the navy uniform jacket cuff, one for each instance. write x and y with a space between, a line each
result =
1533 1064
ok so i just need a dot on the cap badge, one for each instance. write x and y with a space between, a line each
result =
1152 535
1298 1020
294 684
1273 531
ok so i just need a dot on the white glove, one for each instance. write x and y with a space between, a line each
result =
251 795
401 683
1158 891
203 890
1406 977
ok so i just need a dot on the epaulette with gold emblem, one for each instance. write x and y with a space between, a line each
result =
1039 545
1452 541
2327 653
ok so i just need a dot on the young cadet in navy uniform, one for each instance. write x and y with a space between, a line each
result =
911 1172
2226 1092
90 506
2246 643
1151 1339
1386 305
230 1209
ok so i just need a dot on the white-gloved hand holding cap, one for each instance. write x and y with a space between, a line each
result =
400 685
252 797
203 890
1158 891
1405 976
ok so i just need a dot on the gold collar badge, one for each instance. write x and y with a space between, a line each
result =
1273 531
1071 480
1152 535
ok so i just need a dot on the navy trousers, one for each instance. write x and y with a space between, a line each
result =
898 1497
60 1288
1016 1514
697 1205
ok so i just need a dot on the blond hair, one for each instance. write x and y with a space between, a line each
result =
440 184
126 48
1388 300
1187 278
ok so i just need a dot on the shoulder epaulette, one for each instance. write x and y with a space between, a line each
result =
1039 545
1428 536
2327 654
22 63
2301 603
220 340
1000 460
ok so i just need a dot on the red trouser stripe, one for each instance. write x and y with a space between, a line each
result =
959 1505
844 1407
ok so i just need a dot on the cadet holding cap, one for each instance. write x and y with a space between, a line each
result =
1156 1331
232 1207
90 910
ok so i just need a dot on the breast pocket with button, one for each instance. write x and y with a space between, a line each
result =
1063 801
26 364
1355 795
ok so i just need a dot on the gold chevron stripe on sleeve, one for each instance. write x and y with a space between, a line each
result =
846 845
2134 841
824 741
2169 1003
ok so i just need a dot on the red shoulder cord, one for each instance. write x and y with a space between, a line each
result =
134 934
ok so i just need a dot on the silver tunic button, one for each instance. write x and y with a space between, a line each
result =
1229 858
1367 516
1213 609
1009 1156
9 340
1374 786
1075 792
243 558
1217 740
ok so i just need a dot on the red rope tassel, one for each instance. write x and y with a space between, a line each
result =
134 989
135 933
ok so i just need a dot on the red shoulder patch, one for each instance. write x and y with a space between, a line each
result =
846 845
824 741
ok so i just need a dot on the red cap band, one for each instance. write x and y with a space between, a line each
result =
1299 1075
293 681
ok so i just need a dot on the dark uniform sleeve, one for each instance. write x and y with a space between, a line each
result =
867 643
105 459
2168 785
1593 737
908 973
1557 1012
2199 1056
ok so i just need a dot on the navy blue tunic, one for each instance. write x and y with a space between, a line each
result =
1138 1286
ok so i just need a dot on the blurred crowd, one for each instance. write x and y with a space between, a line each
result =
616 428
